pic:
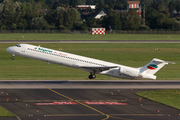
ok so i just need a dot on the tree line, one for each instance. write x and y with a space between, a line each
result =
27 15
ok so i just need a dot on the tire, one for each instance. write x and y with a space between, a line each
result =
90 77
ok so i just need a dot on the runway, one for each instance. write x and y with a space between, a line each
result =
93 100
90 84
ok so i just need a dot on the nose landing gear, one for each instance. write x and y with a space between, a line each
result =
13 57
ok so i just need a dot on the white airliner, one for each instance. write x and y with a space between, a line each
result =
91 65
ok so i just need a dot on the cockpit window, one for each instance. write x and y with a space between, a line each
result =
18 45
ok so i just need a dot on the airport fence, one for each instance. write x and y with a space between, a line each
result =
89 31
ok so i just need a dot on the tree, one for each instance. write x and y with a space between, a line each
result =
10 15
32 11
71 16
176 26
99 5
168 24
22 24
178 5
161 19
81 2
78 25
133 21
89 2
59 16
148 3
144 27
151 18
73 3
90 21
112 21
1 8
172 6
51 18
38 23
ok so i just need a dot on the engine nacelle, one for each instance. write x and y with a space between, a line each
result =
129 72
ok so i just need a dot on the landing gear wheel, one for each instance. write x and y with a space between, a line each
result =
92 76
13 58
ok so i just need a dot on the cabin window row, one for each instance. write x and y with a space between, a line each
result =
64 56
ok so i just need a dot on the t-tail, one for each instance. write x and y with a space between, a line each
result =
152 67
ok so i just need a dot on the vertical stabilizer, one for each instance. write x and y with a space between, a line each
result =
153 66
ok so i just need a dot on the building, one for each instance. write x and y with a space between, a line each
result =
134 5
45 11
86 6
100 14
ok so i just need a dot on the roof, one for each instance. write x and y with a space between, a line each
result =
67 8
45 11
86 6
133 2
100 14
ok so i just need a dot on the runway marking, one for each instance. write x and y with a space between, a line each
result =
55 115
74 100
57 103
59 94
137 114
86 102
107 116
103 103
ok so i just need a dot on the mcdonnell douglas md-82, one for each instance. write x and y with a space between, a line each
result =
93 66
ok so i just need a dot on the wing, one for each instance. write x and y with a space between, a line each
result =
97 69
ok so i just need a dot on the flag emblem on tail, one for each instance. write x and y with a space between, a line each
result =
152 66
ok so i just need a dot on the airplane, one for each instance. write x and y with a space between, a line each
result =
93 66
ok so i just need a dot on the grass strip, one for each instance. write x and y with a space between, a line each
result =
130 54
167 97
57 36
5 113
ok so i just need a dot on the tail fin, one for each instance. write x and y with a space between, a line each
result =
152 67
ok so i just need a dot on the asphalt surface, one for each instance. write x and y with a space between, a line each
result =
90 84
51 103
89 41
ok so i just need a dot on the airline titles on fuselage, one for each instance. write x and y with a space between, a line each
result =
49 51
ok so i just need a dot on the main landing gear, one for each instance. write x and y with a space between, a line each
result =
92 76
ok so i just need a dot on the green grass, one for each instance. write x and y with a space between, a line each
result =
167 97
56 36
135 55
5 113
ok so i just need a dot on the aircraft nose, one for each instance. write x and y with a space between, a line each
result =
10 49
